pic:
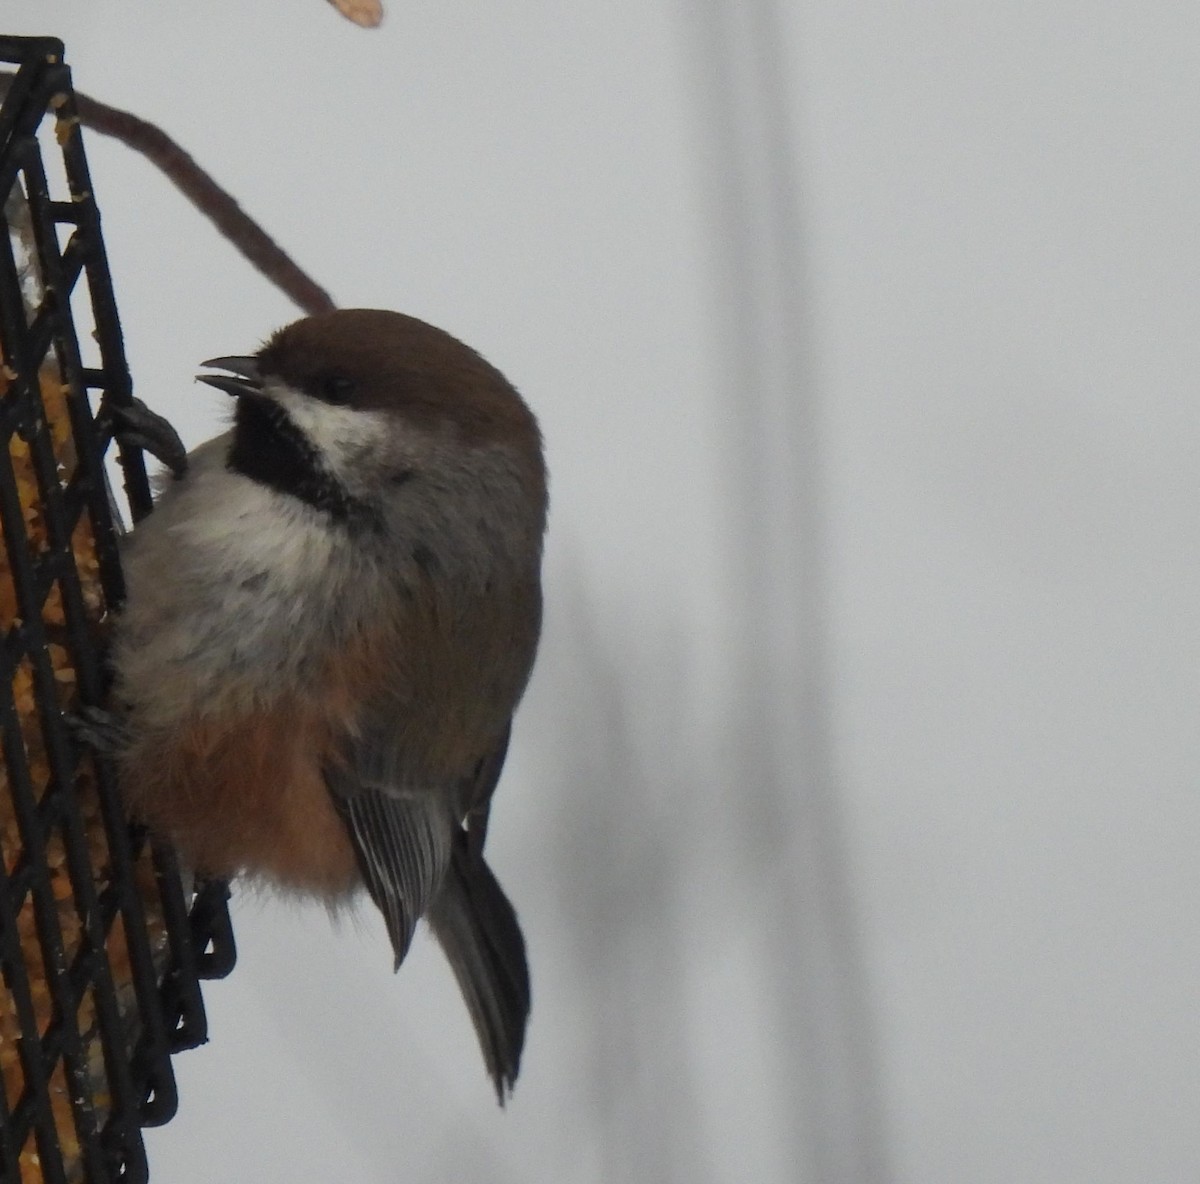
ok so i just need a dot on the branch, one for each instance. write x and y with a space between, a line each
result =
218 205
214 202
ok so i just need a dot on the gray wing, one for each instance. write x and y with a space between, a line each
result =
403 843
420 852
403 834
479 791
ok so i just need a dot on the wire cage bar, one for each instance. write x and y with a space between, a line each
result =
102 940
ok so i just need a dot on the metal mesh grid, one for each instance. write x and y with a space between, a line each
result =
99 949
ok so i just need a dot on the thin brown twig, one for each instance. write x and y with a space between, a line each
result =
217 204
214 202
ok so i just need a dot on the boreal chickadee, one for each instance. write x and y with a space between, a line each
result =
331 616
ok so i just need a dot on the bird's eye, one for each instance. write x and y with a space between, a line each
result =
336 388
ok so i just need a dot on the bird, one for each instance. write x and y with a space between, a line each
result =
330 619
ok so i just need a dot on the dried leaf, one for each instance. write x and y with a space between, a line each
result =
367 13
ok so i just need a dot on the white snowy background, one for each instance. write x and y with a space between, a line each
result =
852 813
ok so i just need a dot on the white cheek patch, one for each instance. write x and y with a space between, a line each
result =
339 434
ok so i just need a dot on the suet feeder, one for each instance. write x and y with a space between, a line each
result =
102 942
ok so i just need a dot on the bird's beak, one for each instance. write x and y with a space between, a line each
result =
243 377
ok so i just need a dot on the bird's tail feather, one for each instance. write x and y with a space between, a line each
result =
478 931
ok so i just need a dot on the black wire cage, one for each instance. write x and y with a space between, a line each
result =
102 944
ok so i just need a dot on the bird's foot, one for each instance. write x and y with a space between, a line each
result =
97 728
136 426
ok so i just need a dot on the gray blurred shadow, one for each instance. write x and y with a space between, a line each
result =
790 832
618 869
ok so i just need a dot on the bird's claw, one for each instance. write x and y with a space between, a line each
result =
97 728
136 426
